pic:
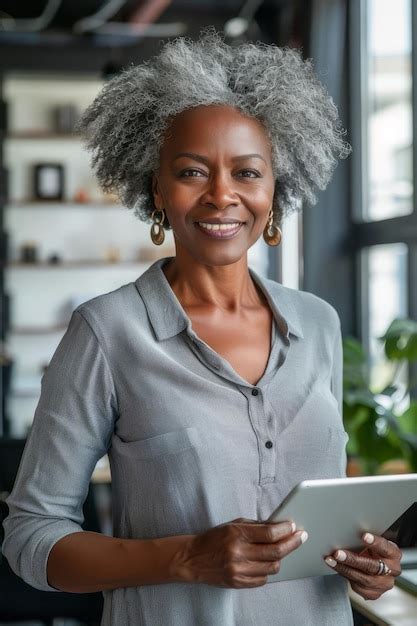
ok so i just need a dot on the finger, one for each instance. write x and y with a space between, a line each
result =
261 568
275 551
365 580
267 532
365 564
381 547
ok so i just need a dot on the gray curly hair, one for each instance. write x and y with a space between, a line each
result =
125 124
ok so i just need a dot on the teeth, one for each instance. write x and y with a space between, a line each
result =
219 226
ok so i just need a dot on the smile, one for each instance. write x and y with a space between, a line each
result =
219 231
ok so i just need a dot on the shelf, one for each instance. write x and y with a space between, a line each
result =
72 264
42 134
19 204
37 330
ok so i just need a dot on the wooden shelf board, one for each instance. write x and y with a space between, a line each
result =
37 330
18 204
71 264
42 134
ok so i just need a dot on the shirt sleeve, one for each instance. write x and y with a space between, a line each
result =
70 432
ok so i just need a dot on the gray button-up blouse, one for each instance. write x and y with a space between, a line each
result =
189 444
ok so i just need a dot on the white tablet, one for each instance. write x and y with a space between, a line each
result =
336 511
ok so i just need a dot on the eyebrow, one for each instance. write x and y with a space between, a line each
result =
203 159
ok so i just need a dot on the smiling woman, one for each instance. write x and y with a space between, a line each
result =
213 390
214 168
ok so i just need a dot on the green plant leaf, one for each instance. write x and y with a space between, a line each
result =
354 363
399 326
353 417
401 340
376 432
408 420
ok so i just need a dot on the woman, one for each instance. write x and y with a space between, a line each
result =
213 390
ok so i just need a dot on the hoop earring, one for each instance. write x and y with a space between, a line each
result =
272 234
157 232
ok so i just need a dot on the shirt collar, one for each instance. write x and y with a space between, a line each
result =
168 318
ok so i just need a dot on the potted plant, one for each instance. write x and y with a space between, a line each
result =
379 430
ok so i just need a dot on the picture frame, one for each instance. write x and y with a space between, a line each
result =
49 181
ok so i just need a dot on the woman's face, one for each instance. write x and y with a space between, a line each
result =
215 165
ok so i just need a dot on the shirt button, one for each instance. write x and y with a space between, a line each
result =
269 444
255 392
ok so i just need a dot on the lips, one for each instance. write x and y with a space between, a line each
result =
219 233
223 220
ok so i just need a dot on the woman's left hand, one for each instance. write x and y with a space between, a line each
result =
361 568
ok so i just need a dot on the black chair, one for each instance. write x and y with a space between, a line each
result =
18 600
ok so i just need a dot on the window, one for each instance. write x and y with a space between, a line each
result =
387 268
388 109
383 117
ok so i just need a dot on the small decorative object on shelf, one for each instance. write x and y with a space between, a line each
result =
65 118
49 181
54 258
110 198
29 252
112 254
82 195
4 184
4 246
6 371
3 116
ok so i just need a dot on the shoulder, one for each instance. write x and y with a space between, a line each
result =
312 311
103 312
310 304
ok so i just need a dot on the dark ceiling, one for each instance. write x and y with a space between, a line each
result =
59 33
70 11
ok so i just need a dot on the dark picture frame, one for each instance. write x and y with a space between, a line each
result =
49 181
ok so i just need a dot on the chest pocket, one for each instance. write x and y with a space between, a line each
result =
314 443
162 482
173 442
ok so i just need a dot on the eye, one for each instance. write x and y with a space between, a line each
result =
184 173
256 174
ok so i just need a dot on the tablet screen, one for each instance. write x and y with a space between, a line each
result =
403 531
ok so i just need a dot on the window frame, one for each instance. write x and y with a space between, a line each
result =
401 229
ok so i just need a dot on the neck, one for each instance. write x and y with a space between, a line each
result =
227 288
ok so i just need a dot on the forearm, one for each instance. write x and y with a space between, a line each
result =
85 562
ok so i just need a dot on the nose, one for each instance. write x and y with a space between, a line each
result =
219 191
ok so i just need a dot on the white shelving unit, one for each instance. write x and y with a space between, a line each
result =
43 295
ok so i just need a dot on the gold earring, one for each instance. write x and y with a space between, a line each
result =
272 234
157 232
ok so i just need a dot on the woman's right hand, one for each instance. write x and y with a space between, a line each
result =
240 553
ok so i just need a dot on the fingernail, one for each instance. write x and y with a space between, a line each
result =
330 561
293 527
368 538
304 536
340 555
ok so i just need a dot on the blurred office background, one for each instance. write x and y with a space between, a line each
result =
62 241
